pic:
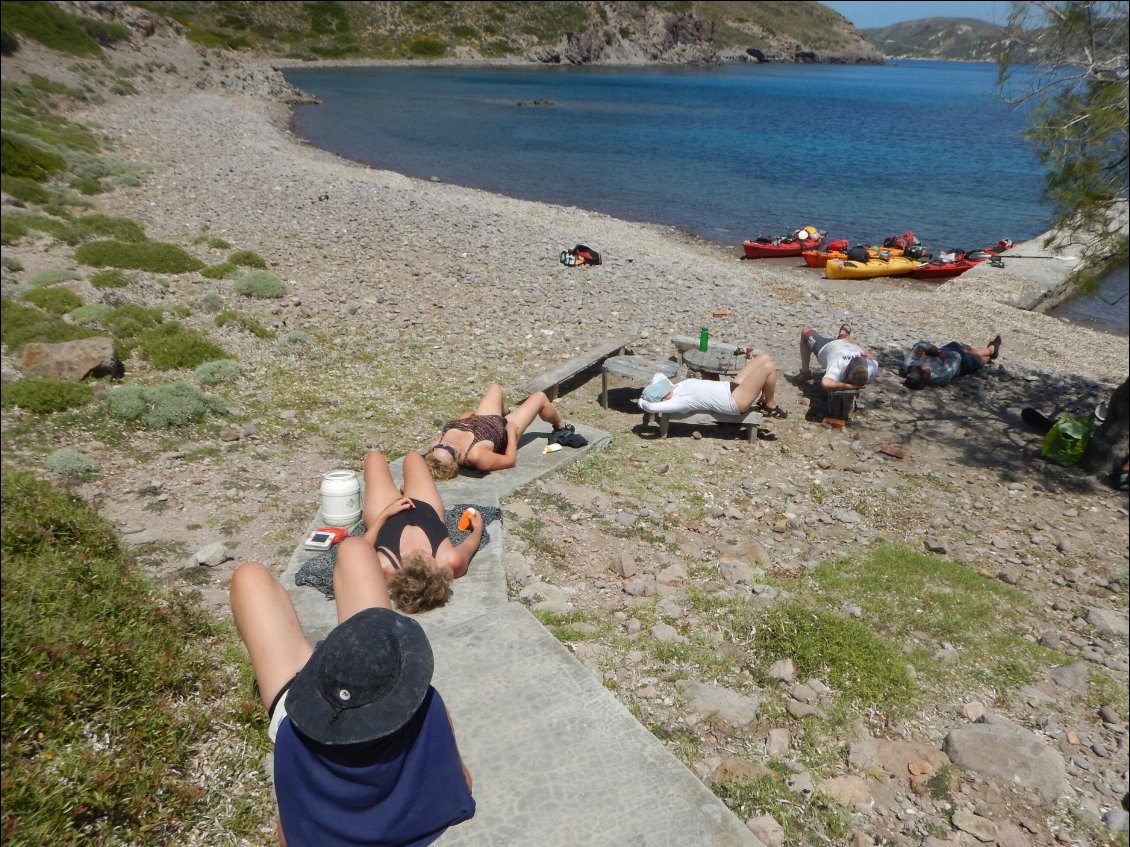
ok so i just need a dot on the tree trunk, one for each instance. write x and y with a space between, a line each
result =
1110 444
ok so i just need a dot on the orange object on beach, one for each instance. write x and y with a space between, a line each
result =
465 519
721 313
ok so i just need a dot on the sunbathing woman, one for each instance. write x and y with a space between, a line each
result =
487 439
406 536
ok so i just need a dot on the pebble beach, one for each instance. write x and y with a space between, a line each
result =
415 295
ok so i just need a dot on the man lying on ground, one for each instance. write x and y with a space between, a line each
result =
927 364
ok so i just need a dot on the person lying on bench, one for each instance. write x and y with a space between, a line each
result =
487 438
754 386
848 365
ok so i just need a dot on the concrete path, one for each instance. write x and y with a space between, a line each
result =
557 760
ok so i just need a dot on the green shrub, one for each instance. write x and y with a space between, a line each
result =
212 241
247 259
109 279
120 229
262 285
425 46
210 303
50 26
70 464
24 189
222 370
11 264
87 186
126 402
22 160
154 256
112 687
45 395
21 324
297 338
57 301
221 270
173 345
131 320
92 314
246 322
52 277
16 225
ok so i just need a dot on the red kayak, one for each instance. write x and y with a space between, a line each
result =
793 244
947 268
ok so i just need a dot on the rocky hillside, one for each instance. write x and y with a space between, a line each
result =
956 39
550 32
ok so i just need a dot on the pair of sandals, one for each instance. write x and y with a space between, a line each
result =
774 412
996 345
567 436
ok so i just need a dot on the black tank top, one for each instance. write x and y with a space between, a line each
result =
424 516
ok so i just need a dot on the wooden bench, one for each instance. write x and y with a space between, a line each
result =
551 380
751 419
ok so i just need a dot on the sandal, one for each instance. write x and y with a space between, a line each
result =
774 412
996 345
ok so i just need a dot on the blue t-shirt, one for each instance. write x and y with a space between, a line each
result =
405 794
944 364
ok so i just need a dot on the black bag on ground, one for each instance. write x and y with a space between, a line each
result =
590 256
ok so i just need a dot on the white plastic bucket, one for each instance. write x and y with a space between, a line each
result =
341 498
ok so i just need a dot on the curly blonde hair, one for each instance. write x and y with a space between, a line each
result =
416 587
441 470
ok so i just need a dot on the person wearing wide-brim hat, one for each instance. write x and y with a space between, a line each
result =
365 752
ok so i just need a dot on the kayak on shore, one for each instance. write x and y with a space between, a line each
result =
957 262
793 244
884 264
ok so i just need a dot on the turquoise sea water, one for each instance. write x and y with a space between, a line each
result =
727 153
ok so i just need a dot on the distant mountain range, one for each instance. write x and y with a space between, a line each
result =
956 39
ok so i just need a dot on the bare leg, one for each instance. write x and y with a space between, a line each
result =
805 349
491 404
757 378
359 581
983 353
380 490
269 626
419 484
536 405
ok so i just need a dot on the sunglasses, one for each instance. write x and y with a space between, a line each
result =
449 449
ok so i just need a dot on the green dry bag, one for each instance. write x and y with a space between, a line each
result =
1067 440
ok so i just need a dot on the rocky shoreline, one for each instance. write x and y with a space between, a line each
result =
418 294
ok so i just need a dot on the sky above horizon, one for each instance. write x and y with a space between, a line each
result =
871 15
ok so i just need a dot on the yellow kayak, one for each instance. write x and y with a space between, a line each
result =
873 267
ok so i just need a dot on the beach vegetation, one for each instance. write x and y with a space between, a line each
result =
23 323
1079 113
211 303
17 158
70 464
91 314
260 285
219 371
118 688
9 44
50 26
10 263
245 322
424 46
109 279
43 395
327 17
297 338
213 241
806 820
221 270
87 185
22 188
153 256
52 277
247 259
173 345
57 301
169 404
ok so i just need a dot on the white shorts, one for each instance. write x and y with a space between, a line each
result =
277 717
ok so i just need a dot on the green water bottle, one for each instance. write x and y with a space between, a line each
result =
703 339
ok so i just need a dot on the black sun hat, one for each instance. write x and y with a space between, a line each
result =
364 682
